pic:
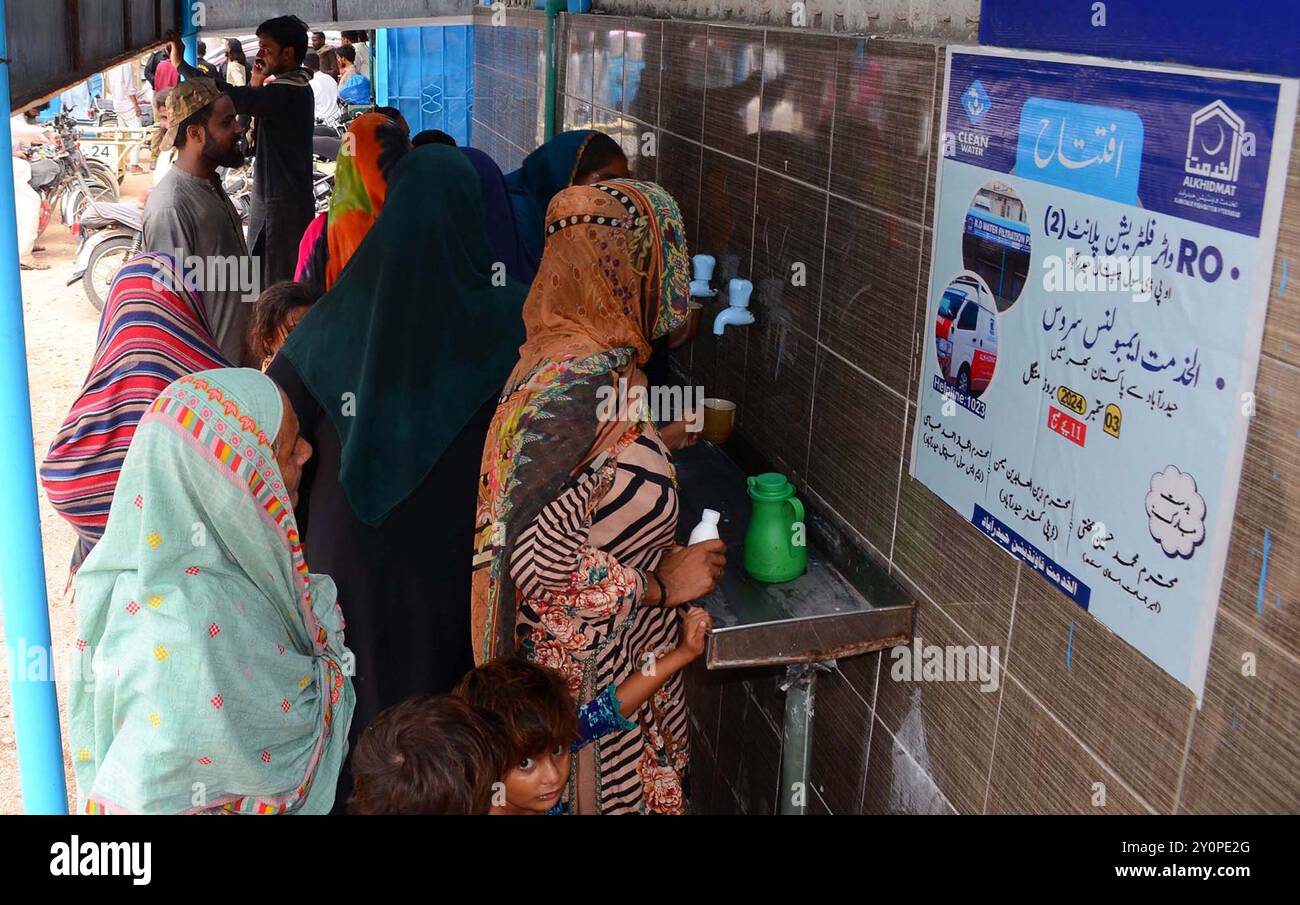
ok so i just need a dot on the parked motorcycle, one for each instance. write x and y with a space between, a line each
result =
79 180
325 152
349 112
239 186
111 232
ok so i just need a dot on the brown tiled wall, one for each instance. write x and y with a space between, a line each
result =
509 83
788 147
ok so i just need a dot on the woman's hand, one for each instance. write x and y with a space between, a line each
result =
676 436
689 573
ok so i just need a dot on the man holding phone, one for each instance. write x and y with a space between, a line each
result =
279 98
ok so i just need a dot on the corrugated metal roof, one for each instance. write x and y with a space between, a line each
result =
57 43
227 14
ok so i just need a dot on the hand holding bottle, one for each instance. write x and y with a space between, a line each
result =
688 573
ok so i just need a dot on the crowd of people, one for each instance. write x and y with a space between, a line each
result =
374 542
131 87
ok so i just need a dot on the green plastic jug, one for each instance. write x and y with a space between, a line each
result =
775 549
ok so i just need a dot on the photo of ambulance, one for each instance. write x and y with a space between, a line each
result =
966 339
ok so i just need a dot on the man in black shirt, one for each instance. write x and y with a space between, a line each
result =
209 71
279 98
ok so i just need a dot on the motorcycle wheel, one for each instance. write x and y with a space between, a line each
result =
102 174
78 201
105 261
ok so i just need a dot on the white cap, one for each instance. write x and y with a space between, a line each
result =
710 516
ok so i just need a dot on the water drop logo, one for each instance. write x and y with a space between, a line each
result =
975 101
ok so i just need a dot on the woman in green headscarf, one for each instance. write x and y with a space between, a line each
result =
580 157
214 674
394 374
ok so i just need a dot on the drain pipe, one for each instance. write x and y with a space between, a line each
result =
800 687
553 10
22 574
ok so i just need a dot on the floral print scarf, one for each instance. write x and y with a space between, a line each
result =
614 276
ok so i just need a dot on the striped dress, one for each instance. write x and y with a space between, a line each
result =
623 505
153 331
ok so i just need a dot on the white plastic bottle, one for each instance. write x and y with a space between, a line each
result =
707 529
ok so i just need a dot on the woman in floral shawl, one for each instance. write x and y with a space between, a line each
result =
216 679
575 565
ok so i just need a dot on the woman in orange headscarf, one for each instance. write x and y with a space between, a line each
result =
575 562
372 146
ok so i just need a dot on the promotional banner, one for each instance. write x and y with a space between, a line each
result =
1103 244
1259 36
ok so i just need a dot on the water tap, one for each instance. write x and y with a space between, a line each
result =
700 288
737 311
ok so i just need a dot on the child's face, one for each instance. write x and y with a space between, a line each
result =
535 784
291 320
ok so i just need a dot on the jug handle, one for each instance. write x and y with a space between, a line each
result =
798 508
749 481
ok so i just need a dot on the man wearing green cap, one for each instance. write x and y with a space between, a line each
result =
190 217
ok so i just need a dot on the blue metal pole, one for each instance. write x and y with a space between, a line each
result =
22 563
190 31
379 71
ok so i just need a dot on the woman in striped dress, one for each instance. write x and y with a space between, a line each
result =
575 565
153 331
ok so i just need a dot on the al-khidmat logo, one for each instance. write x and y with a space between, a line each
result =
1214 146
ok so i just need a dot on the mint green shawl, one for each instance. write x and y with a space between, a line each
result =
218 680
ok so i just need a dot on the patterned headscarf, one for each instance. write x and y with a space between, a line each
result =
216 679
373 144
153 330
615 276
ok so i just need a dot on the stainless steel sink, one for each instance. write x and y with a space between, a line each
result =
817 617
806 624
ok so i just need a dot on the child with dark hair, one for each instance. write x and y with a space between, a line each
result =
536 712
427 755
277 311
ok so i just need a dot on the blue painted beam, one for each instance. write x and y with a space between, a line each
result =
190 16
22 562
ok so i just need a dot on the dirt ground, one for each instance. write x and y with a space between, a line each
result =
60 326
